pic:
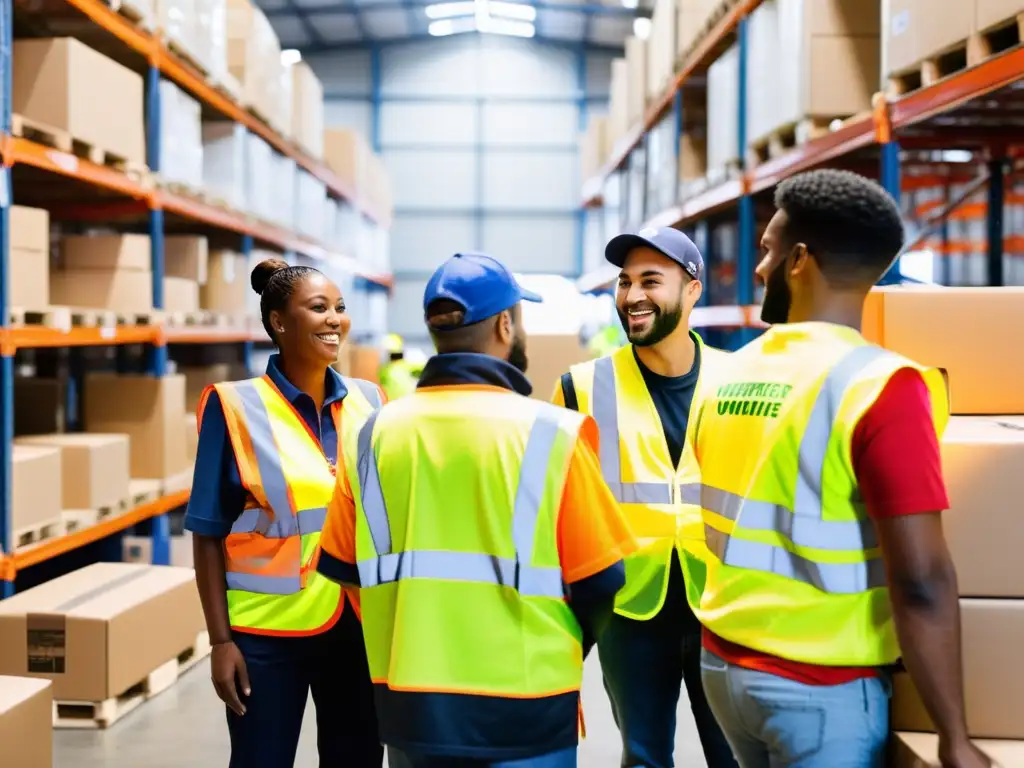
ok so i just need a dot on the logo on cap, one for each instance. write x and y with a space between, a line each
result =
648 232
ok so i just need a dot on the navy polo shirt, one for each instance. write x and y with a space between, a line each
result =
218 497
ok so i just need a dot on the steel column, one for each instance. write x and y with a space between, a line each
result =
996 201
581 118
890 177
746 225
6 359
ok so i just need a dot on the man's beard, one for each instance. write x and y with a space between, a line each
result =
662 326
777 297
517 355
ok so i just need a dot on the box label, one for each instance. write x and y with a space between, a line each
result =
47 643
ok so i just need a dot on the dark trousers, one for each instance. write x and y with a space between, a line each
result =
645 664
565 758
282 672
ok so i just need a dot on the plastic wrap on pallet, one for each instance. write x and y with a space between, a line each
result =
723 115
254 58
181 137
662 166
309 197
347 224
211 37
330 223
284 204
224 157
307 109
259 175
767 98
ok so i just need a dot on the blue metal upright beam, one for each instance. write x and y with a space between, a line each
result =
375 97
996 201
746 225
157 363
6 360
890 178
581 124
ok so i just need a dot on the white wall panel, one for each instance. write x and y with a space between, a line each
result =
594 241
349 113
541 244
405 313
434 179
420 243
443 67
521 68
517 180
425 124
530 123
599 75
344 73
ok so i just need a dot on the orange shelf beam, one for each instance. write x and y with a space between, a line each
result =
35 337
64 544
25 152
199 335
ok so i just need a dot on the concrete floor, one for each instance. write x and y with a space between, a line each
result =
184 726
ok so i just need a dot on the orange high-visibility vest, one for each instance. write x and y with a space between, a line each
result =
272 584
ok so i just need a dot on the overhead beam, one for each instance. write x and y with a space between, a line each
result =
540 5
357 45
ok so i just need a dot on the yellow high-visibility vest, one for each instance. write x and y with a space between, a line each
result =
271 588
795 569
457 494
660 501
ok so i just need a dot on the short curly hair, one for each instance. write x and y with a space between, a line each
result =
849 223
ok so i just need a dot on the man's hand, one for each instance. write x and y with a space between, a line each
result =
229 674
962 754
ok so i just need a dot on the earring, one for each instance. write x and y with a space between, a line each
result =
280 330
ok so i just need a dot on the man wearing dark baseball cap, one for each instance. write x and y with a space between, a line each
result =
484 543
641 397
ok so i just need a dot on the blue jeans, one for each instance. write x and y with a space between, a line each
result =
645 664
773 722
565 758
283 671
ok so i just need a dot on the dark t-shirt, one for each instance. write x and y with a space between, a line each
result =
672 396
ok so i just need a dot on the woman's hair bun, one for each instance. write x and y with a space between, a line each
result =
263 271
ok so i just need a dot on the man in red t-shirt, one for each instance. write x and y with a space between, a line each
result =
833 236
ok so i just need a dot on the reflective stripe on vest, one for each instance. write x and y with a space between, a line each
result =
804 525
368 390
605 409
528 580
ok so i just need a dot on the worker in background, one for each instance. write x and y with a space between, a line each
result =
476 525
641 397
265 471
398 376
822 495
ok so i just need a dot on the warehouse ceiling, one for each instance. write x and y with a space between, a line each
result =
316 25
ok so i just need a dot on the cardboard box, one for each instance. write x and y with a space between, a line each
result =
139 549
26 722
307 109
198 378
191 436
921 750
661 48
981 461
28 273
63 84
993 675
186 256
347 153
106 252
150 410
991 13
100 630
691 17
39 405
35 486
618 103
551 355
181 295
227 283
118 290
364 362
636 78
951 328
94 468
914 30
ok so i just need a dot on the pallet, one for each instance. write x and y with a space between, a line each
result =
788 137
33 535
58 318
179 482
77 519
132 12
185 55
713 18
103 714
954 59
187 190
56 138
143 492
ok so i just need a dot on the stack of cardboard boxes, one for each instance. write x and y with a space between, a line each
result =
111 272
349 156
254 59
28 266
982 452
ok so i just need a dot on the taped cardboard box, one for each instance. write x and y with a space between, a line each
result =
26 722
100 630
921 750
952 329
94 468
35 487
992 673
28 284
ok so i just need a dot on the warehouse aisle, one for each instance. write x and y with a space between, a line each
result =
185 726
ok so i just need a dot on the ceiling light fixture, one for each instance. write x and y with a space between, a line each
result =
520 11
631 4
642 27
290 56
495 17
446 27
448 10
493 26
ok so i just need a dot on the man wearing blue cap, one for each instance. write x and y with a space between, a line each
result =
483 541
641 397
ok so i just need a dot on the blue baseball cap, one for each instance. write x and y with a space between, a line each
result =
667 241
479 283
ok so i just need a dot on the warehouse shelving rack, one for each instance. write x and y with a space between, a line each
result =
119 197
972 109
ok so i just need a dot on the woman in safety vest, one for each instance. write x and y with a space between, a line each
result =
265 469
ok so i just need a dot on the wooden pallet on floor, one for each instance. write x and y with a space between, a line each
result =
32 535
962 55
103 714
77 519
56 138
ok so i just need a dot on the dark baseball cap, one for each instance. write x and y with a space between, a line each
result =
667 241
479 283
